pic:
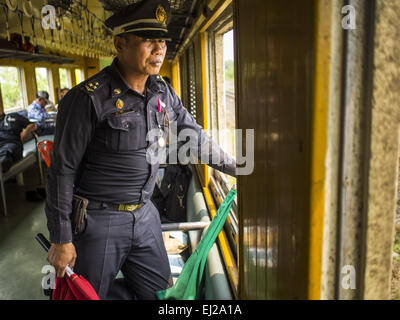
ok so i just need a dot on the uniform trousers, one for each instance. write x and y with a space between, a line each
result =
130 242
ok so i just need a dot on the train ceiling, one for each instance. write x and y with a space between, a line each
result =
79 24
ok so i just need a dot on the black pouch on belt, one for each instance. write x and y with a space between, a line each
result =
78 215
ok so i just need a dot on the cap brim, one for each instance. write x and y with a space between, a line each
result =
153 34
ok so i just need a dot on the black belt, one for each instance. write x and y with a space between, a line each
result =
113 206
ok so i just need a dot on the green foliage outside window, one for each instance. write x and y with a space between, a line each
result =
64 81
42 81
229 70
10 88
78 76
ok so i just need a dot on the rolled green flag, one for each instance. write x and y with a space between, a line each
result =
188 284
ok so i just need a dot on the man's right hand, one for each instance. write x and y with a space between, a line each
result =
25 134
61 255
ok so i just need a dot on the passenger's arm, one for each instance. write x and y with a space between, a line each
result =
27 132
225 163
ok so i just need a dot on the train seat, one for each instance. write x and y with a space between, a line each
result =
30 146
30 156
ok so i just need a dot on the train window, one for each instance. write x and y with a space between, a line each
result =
222 91
65 78
11 88
79 76
222 114
43 81
229 95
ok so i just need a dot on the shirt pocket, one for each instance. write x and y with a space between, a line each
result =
124 132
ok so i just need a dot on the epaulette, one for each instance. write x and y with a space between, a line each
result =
92 84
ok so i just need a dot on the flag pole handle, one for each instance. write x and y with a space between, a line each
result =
43 241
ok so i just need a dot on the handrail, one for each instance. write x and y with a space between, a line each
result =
184 226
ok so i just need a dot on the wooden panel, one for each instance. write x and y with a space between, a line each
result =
274 41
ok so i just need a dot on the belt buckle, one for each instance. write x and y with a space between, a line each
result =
128 207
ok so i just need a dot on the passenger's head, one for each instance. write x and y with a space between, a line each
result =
141 33
42 98
63 92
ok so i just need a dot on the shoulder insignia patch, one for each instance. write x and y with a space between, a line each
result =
91 86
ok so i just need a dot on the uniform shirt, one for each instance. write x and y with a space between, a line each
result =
119 155
100 144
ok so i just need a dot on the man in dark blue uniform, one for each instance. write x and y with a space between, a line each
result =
100 152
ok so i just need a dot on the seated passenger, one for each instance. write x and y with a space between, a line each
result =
45 122
63 92
14 131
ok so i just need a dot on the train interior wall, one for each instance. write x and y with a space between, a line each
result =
275 98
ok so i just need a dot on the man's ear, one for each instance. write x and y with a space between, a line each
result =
119 43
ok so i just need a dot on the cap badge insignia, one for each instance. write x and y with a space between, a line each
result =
161 14
119 104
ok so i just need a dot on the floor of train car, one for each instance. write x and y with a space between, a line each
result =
21 257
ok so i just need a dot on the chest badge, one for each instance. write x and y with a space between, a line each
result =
161 142
117 91
119 104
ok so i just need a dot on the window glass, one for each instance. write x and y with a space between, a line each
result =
79 76
11 88
222 92
228 141
65 79
43 81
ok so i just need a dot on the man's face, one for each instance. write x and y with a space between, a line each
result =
42 102
63 93
144 56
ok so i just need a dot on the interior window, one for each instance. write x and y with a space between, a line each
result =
65 78
11 89
79 76
43 81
